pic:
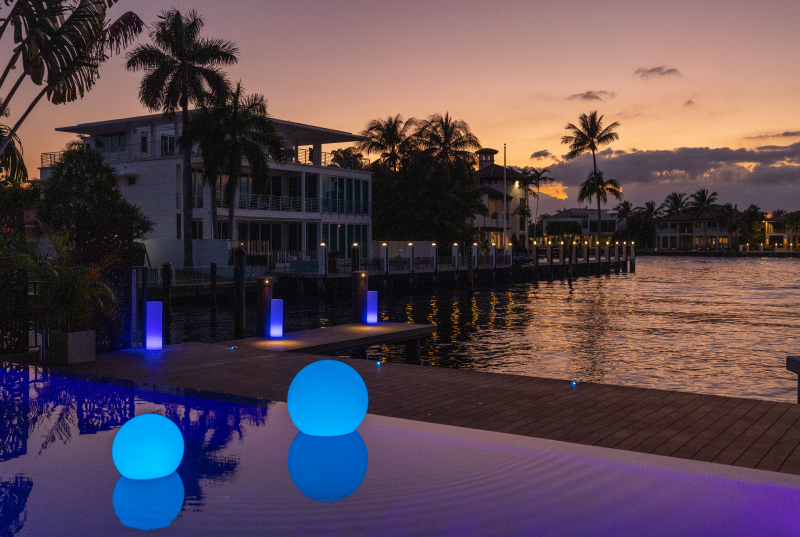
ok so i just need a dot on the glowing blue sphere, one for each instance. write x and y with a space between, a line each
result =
327 398
327 468
148 504
147 447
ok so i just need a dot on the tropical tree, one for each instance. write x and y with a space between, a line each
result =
236 129
448 141
348 158
589 136
598 187
182 68
675 204
391 138
623 212
62 44
647 216
702 203
730 218
534 178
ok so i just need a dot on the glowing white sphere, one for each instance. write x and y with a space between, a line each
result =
147 447
327 398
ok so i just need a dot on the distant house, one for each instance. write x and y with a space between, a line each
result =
498 182
691 232
308 200
580 222
776 232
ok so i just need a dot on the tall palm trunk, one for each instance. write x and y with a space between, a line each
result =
188 195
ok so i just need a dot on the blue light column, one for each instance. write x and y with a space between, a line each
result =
153 336
372 307
276 318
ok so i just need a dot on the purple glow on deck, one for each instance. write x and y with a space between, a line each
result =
372 307
276 318
153 336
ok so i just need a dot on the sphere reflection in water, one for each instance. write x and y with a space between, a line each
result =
148 504
327 468
149 446
327 398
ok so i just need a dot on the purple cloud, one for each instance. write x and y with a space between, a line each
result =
661 70
593 95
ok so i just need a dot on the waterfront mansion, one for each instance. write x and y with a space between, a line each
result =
307 201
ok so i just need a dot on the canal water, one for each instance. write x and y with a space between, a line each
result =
704 325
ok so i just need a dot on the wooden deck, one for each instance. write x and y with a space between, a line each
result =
340 338
741 432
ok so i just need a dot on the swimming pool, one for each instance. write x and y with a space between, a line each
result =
247 471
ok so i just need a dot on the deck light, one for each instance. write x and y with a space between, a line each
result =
322 244
153 336
148 504
355 245
276 318
574 382
384 244
327 398
327 468
148 446
372 307
433 244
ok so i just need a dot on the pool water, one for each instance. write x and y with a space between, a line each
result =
247 471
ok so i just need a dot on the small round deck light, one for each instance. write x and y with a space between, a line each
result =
149 446
327 398
574 382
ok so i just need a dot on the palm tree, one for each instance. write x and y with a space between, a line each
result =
648 214
702 202
535 178
623 212
448 141
181 68
390 137
730 218
597 186
61 44
675 204
589 136
236 129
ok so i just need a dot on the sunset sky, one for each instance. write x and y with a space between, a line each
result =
706 92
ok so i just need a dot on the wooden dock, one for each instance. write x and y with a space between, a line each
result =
741 432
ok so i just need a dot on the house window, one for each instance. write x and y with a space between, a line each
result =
178 221
222 230
143 148
197 229
108 143
131 180
167 145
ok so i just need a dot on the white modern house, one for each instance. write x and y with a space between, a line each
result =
307 201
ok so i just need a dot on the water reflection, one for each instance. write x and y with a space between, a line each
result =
148 504
13 500
328 468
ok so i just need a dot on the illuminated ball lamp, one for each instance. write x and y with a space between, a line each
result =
327 398
148 446
146 451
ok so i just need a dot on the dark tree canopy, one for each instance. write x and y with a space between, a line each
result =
82 197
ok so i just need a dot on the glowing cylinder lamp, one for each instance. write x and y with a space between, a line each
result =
276 318
153 337
149 446
328 468
148 504
372 307
327 398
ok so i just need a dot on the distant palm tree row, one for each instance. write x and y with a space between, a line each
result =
741 226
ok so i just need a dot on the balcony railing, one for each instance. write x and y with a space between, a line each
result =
158 150
264 202
345 207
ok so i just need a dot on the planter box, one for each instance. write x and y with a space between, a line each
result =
71 347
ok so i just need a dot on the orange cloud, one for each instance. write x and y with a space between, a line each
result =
554 190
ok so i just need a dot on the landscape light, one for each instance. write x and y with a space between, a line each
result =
322 244
327 398
276 318
372 307
148 504
148 446
327 468
153 334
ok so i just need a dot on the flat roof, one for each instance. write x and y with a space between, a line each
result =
301 133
